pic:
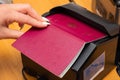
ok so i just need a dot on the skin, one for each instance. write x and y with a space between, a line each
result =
20 13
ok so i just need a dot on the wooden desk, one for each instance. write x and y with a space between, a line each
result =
10 58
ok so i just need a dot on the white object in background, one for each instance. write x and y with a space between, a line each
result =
5 1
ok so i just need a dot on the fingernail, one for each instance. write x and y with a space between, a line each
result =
45 19
45 23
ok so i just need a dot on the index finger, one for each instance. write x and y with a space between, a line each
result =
27 9
26 19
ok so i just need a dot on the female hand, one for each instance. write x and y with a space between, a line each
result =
21 13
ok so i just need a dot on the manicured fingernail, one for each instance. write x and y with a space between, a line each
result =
45 19
45 23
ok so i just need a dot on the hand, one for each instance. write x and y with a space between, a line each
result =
21 13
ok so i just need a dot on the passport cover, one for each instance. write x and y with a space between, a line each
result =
57 47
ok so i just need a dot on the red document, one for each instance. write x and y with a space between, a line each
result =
57 47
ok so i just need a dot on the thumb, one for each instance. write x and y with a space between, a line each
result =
6 33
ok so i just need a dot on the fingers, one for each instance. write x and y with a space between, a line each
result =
27 9
6 33
24 14
29 16
21 13
22 18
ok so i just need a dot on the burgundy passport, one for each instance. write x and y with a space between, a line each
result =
57 47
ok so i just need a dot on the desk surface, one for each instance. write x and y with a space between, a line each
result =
10 58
